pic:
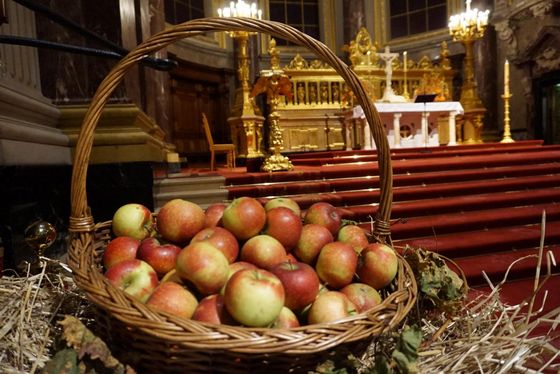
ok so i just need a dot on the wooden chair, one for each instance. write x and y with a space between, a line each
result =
228 149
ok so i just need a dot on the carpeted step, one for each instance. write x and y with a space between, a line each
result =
458 203
438 164
470 243
433 192
440 149
495 265
473 220
426 178
423 154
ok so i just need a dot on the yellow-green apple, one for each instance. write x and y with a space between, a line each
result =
220 238
135 277
330 306
337 264
254 297
179 220
173 298
263 251
284 225
353 235
313 237
378 265
119 249
363 296
204 265
286 320
244 217
161 257
285 202
234 268
301 284
214 214
134 220
211 309
324 214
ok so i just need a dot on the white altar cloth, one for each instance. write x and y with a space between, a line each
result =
422 136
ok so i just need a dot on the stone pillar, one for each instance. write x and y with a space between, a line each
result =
354 13
28 133
485 66
157 82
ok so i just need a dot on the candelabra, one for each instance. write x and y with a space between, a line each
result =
275 84
245 121
466 28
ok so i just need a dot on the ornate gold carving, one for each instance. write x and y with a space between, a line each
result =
298 63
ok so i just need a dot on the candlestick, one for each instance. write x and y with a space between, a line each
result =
506 78
507 133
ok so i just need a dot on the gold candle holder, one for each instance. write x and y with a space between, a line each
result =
507 133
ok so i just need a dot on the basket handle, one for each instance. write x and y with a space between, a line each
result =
81 219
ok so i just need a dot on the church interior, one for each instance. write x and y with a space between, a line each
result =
460 155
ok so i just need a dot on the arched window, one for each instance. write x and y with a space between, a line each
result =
410 17
178 11
301 14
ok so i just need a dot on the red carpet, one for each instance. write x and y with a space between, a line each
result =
480 205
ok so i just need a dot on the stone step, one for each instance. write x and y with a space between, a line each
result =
202 190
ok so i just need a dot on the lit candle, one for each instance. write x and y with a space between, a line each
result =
404 60
506 78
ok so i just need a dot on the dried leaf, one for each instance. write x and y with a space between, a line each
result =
85 342
439 285
63 362
405 354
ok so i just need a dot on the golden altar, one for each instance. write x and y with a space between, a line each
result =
318 115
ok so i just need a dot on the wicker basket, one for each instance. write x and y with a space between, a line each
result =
155 342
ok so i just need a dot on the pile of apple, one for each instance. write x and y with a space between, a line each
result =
245 263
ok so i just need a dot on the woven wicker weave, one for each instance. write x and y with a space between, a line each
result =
156 342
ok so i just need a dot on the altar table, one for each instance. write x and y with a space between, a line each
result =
413 119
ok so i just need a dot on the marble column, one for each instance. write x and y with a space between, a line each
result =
354 14
28 133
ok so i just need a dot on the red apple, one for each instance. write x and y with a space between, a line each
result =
204 265
173 298
378 265
363 296
220 238
254 297
211 309
283 224
337 264
286 320
179 220
324 214
213 214
353 235
244 217
301 284
135 277
161 257
284 202
263 251
330 306
313 237
120 249
134 220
